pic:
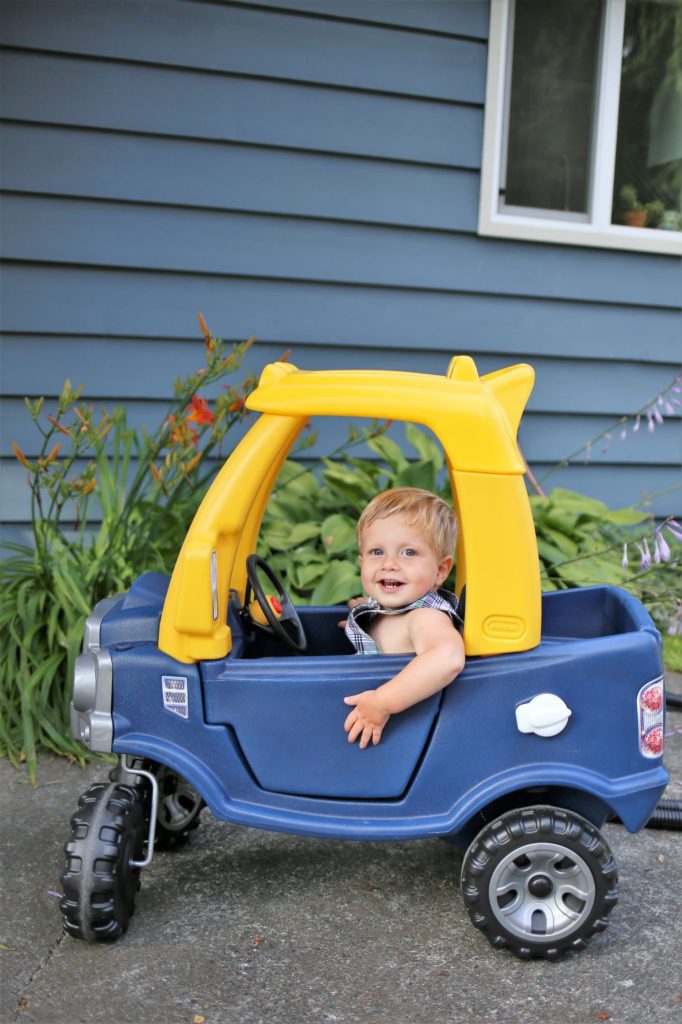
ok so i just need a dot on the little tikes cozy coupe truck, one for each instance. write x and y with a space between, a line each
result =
213 693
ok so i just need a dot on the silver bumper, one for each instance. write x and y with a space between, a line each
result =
91 716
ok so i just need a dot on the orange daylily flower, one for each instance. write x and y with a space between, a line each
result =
199 412
64 430
181 433
204 329
20 455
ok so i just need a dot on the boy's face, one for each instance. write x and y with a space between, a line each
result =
397 563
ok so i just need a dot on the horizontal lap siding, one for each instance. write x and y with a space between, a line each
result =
80 301
308 173
132 98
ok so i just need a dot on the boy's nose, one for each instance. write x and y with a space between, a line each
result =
389 561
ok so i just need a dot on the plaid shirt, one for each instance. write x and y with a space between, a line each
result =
443 601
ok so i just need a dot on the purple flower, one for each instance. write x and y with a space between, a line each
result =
650 418
674 527
668 408
657 415
646 555
662 547
623 433
635 427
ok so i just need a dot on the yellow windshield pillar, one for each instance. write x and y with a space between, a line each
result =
497 563
194 620
497 558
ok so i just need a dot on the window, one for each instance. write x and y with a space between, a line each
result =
583 124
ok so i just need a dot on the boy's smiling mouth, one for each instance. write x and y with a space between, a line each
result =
390 585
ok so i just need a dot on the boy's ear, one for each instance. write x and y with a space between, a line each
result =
444 567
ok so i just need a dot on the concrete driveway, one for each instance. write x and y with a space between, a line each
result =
247 927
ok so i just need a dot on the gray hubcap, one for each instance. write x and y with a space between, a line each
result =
542 891
178 801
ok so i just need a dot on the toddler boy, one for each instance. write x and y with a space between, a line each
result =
406 538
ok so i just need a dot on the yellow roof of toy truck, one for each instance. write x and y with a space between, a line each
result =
476 420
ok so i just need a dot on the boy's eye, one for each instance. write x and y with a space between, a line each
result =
410 552
376 551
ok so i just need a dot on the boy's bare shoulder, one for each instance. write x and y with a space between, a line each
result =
431 620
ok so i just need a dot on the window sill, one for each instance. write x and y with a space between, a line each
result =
615 236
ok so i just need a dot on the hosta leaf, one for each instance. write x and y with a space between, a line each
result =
302 532
338 534
340 582
388 450
427 447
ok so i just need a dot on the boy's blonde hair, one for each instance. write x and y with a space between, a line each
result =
420 508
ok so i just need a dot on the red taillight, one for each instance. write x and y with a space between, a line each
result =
652 698
652 741
650 709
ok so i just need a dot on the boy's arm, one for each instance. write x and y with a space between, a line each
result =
439 658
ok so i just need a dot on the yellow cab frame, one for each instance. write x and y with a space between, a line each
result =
475 419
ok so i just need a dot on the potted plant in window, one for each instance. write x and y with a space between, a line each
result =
655 211
634 212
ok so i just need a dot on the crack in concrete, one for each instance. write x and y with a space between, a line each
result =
23 1001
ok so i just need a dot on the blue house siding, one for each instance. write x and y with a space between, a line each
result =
307 172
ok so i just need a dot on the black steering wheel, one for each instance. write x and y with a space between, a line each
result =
295 640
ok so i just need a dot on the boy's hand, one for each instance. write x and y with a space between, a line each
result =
351 604
367 719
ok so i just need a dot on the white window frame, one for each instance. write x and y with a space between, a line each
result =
550 226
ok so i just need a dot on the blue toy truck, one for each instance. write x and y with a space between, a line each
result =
213 691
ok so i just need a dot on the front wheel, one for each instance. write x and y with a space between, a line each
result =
539 881
100 883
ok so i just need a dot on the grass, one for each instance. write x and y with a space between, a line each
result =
672 653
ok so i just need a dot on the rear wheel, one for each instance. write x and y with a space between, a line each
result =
107 832
539 881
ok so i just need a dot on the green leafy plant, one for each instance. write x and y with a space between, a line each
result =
308 532
655 210
581 542
629 198
107 503
672 653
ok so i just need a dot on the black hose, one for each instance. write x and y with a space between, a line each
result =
667 814
673 701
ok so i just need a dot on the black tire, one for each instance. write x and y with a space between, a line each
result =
179 808
539 881
107 831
